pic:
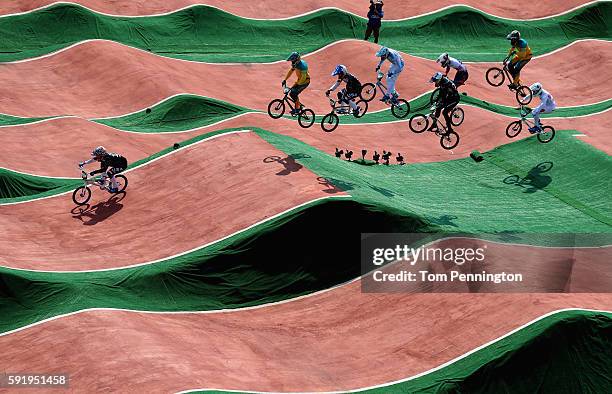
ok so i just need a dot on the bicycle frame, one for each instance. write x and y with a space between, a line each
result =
288 99
439 125
379 84
91 180
343 109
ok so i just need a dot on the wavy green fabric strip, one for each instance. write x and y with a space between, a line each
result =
202 33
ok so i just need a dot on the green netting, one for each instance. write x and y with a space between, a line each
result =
251 268
8 120
182 112
203 33
16 186
187 112
568 352
474 196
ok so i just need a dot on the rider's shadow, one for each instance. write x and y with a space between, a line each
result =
290 164
535 179
92 215
334 185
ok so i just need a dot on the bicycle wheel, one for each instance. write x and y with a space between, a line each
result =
276 108
81 195
524 95
544 167
495 76
511 180
547 134
400 109
434 96
363 105
418 123
514 129
449 140
368 91
306 118
330 122
457 116
122 182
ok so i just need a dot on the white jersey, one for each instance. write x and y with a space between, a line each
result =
548 100
456 64
395 58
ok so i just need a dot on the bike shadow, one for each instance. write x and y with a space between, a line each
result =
289 163
534 180
334 186
91 215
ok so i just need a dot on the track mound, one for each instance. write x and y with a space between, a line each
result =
114 79
268 9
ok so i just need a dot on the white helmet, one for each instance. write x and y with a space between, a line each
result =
443 59
536 89
98 151
382 52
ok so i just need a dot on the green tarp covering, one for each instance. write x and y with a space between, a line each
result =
183 112
203 33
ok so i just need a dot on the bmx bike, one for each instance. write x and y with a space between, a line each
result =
496 76
400 108
82 194
276 109
448 140
331 120
546 134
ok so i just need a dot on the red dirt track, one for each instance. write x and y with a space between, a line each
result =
338 340
218 195
482 130
103 79
267 9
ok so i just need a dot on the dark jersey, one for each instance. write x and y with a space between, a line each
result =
111 160
352 84
448 91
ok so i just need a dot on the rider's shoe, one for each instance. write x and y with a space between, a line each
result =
113 190
512 86
535 129
295 112
385 98
356 112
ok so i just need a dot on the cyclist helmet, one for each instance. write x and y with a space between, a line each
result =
340 70
382 52
514 36
536 89
443 59
436 77
99 151
293 58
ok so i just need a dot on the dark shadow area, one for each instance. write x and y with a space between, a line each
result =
444 220
335 185
534 180
92 215
289 162
572 355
